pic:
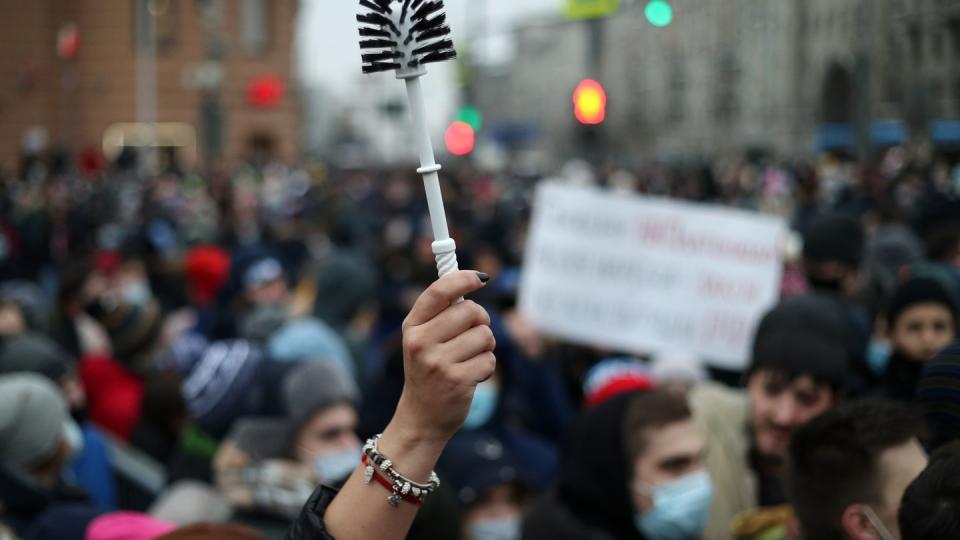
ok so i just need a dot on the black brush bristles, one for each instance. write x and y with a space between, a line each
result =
407 34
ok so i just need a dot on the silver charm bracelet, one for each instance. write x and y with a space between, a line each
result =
381 468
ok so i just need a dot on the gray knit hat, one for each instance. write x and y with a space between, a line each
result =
314 386
32 419
35 353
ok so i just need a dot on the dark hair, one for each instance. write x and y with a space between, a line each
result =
652 409
833 461
931 504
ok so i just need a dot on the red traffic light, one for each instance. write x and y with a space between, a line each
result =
590 102
460 138
265 91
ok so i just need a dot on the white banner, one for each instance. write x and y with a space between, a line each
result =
643 274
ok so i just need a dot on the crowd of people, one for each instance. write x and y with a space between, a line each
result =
187 356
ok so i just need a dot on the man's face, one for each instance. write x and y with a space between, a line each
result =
672 451
922 330
328 431
779 406
897 467
273 292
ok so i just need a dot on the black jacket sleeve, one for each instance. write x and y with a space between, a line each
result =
309 524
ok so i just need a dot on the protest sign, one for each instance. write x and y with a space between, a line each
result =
644 274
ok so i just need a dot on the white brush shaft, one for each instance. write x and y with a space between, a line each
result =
431 181
444 248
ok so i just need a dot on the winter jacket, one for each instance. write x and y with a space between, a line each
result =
309 524
722 415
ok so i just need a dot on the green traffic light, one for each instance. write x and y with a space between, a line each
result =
659 13
472 116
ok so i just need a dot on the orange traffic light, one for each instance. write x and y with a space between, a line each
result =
590 102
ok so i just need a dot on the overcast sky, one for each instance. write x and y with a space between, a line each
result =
329 54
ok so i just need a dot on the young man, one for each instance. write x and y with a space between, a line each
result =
931 505
849 468
921 321
633 469
797 372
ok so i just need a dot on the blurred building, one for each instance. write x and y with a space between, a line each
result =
210 79
790 77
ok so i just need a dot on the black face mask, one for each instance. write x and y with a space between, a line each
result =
826 285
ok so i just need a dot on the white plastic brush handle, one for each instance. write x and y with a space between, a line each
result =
444 248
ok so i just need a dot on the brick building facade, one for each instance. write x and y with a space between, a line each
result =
208 53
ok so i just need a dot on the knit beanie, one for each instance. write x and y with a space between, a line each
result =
132 328
804 335
938 392
32 419
223 385
206 269
612 377
35 353
127 526
922 290
309 339
834 238
314 386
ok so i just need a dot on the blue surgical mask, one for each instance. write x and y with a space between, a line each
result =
74 437
136 293
484 403
878 356
336 465
495 529
680 508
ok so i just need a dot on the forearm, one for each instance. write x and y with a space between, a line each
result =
361 511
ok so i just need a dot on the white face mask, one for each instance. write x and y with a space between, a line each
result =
495 529
336 465
136 293
874 519
74 436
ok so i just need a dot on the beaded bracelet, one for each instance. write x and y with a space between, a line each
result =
401 488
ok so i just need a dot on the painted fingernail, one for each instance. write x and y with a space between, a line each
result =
484 278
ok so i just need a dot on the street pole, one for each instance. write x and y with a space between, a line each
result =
146 85
211 112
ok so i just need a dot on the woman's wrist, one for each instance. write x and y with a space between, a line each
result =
414 452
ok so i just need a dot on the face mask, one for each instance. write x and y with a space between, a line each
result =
878 356
680 509
874 519
484 402
136 293
495 529
336 465
74 437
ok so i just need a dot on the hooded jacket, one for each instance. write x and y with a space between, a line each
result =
592 500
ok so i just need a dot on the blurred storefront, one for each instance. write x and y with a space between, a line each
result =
210 79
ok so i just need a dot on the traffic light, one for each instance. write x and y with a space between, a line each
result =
460 138
590 102
472 116
659 13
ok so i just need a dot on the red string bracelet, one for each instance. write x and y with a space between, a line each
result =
389 486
